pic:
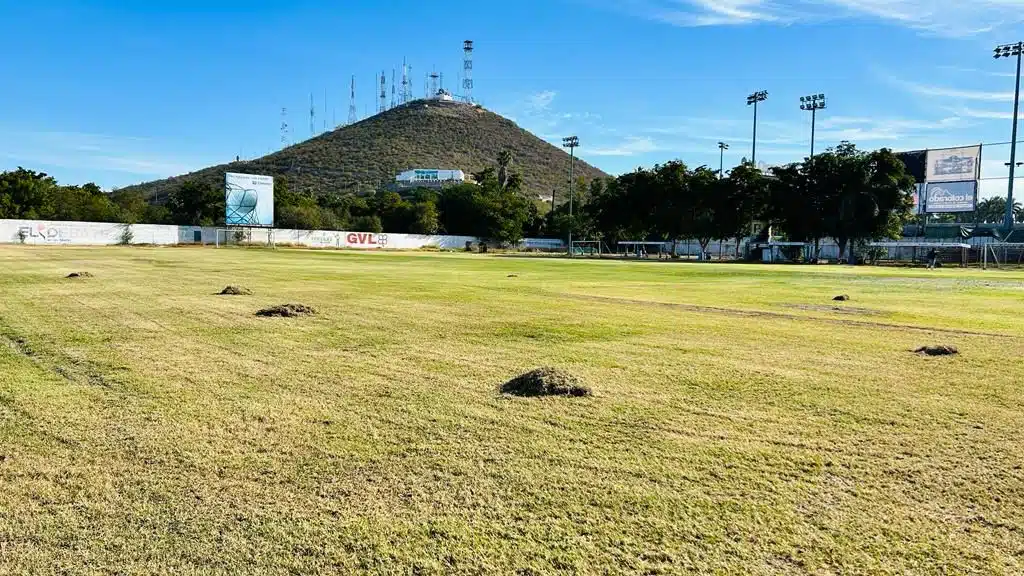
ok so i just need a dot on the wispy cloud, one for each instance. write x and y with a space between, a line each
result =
940 17
983 114
955 93
541 100
93 152
631 146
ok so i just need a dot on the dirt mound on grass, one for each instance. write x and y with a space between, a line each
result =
937 351
287 311
841 298
235 291
79 275
545 382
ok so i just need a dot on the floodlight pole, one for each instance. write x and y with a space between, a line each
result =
754 99
571 142
814 119
1006 51
722 147
812 104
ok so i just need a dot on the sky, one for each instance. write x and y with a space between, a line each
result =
130 91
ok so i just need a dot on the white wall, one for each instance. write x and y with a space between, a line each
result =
98 233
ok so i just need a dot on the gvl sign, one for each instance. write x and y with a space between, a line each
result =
948 197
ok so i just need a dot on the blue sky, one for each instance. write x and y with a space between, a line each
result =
123 92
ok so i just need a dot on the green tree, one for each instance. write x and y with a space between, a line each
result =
195 203
872 194
27 194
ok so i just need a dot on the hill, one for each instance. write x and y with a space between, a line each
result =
367 155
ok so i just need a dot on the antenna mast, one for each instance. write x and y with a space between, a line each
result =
353 116
467 71
284 127
312 116
383 106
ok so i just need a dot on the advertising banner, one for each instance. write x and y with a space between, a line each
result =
248 200
954 164
947 197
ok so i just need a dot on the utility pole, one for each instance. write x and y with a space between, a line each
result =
722 147
572 143
812 104
1007 51
753 99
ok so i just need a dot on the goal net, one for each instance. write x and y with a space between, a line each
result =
593 248
232 237
1001 255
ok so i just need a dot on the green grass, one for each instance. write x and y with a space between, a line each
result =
740 424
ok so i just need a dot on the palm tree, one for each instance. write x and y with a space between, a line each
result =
505 160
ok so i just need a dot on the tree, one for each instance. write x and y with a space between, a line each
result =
196 203
872 198
505 161
27 194
747 193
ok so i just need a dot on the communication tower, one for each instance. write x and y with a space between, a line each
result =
467 71
383 105
353 116
284 127
433 83
312 116
393 91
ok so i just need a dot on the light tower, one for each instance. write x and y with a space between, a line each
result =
467 71
572 143
1007 51
722 147
753 99
353 116
812 104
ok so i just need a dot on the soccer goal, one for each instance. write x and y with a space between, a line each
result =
1002 254
245 237
232 237
589 248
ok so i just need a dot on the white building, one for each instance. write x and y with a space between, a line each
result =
428 178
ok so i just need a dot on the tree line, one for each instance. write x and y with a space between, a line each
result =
844 194
493 207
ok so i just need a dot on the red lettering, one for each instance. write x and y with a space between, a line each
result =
352 238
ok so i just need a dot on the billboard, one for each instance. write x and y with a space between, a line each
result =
954 164
248 200
945 197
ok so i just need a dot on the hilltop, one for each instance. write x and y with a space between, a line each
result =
366 155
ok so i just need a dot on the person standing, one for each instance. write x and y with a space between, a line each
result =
933 258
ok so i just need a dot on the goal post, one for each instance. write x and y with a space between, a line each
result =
1000 254
244 236
588 248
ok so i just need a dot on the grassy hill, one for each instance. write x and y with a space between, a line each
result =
366 155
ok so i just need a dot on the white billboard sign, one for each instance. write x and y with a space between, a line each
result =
248 200
954 164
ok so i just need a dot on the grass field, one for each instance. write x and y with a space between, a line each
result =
741 424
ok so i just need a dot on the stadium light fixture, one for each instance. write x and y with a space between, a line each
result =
722 147
752 100
1009 51
572 143
812 104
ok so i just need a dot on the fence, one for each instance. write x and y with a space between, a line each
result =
100 234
